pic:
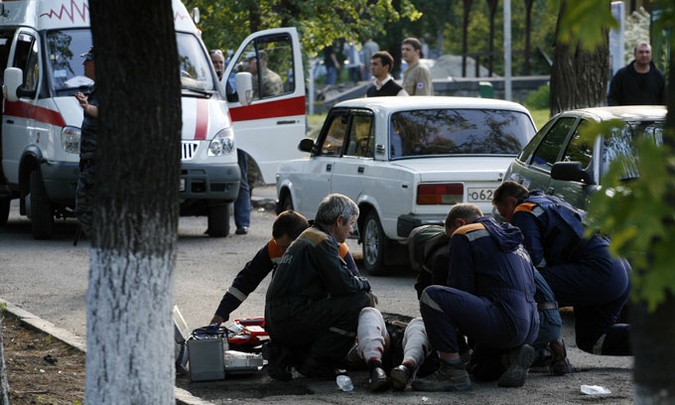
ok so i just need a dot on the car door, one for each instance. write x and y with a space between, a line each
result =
537 174
270 127
350 173
314 183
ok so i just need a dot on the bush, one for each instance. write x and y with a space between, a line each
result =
539 99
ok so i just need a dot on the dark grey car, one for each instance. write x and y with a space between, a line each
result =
559 161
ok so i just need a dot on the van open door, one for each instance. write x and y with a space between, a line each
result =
271 121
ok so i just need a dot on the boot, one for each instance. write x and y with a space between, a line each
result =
400 375
517 361
450 377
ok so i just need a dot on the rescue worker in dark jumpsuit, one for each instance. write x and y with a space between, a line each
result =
489 298
313 301
286 228
581 272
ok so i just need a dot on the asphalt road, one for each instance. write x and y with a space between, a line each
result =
49 279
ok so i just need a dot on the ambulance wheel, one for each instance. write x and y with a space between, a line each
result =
219 220
4 210
41 212
374 241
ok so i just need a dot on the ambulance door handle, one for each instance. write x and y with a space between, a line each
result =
361 169
10 121
286 122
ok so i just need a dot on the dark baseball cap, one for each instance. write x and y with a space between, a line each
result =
89 54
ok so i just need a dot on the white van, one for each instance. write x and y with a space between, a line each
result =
40 46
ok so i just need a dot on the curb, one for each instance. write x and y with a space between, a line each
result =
182 396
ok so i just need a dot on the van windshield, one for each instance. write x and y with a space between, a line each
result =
66 71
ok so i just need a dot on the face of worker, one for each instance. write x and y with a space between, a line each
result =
342 228
218 61
377 69
283 242
408 53
89 69
506 207
643 54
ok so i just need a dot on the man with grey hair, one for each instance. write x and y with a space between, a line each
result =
313 301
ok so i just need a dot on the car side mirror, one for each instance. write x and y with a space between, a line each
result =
244 83
570 171
306 145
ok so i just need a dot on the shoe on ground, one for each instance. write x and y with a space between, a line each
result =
242 231
379 381
448 377
400 376
314 368
517 362
277 362
560 365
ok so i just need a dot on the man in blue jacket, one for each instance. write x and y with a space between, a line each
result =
489 298
581 272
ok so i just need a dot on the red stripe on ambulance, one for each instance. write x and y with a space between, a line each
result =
202 119
25 110
273 109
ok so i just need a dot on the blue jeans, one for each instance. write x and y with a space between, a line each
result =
242 205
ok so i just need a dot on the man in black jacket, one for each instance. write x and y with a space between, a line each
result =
638 83
381 64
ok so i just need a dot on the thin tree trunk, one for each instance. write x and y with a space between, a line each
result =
130 296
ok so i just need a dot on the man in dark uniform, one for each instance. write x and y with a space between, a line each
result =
581 272
85 181
313 301
381 64
489 298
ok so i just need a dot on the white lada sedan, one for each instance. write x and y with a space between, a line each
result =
405 161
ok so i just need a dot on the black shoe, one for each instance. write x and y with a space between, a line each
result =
560 365
450 377
378 380
277 362
242 231
400 376
318 369
517 361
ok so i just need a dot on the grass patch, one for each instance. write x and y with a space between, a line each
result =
540 117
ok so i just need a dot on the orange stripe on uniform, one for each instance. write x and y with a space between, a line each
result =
274 250
525 207
343 249
463 230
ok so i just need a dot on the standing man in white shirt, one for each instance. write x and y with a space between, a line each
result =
417 77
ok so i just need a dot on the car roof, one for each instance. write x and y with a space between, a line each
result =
428 102
625 113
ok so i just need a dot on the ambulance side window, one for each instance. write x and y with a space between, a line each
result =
26 58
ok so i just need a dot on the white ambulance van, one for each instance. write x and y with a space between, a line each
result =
40 46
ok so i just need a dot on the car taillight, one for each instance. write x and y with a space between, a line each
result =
428 194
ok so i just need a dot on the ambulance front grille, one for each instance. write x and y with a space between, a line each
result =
188 150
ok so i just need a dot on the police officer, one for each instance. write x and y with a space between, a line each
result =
85 181
581 272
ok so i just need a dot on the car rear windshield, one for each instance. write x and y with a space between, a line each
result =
458 132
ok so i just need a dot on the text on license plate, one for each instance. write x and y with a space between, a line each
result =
479 194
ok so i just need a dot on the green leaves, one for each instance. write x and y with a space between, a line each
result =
585 23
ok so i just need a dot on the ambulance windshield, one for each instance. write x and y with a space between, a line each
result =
64 48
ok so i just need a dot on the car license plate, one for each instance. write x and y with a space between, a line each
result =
182 185
479 194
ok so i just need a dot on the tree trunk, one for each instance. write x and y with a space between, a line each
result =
130 295
4 383
578 78
652 336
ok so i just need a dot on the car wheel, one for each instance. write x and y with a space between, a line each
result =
41 212
285 202
374 242
4 210
219 220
